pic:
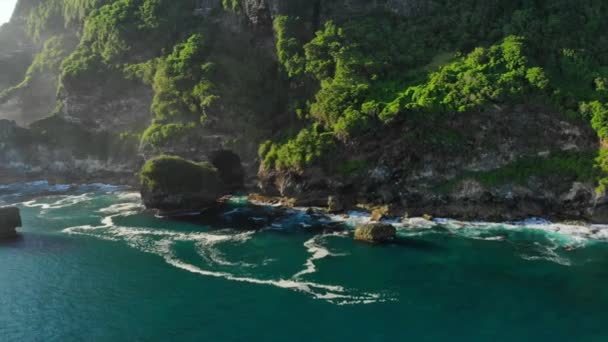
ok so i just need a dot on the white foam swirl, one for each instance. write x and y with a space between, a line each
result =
161 242
317 252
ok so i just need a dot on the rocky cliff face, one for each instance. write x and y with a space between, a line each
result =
504 164
16 54
259 11
63 152
98 99
110 104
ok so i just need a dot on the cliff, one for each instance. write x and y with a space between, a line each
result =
472 109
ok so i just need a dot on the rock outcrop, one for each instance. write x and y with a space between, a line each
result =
10 219
175 185
375 233
56 149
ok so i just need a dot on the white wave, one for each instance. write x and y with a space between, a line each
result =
558 236
548 253
572 233
128 196
333 294
123 208
351 219
566 234
63 201
207 249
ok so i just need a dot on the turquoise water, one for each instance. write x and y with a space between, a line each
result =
90 266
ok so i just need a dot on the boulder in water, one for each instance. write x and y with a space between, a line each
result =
10 219
173 185
375 233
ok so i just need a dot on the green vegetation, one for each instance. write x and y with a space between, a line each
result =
289 45
182 85
342 74
309 145
174 175
598 113
231 4
126 32
577 166
493 75
379 69
158 134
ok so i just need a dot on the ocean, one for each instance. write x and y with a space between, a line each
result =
92 265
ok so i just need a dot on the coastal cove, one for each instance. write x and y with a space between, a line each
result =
304 170
247 272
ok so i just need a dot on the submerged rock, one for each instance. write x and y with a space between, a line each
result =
375 233
10 219
172 184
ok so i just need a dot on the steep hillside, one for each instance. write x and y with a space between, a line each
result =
443 107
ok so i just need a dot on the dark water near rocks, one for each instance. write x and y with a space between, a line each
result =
90 266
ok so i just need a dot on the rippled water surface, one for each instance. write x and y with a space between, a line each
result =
90 265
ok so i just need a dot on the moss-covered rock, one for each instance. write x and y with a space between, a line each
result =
170 183
375 233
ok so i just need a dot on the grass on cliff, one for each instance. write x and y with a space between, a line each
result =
577 166
175 174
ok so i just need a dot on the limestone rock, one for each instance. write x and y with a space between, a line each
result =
375 233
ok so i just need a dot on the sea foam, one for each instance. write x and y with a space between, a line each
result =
161 242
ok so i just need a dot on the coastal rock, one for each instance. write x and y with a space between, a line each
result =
334 204
230 169
172 184
599 212
492 177
375 233
380 213
9 220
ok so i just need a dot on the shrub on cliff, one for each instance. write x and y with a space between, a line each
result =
310 145
487 75
157 135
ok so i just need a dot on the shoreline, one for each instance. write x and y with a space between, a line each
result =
569 234
127 180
